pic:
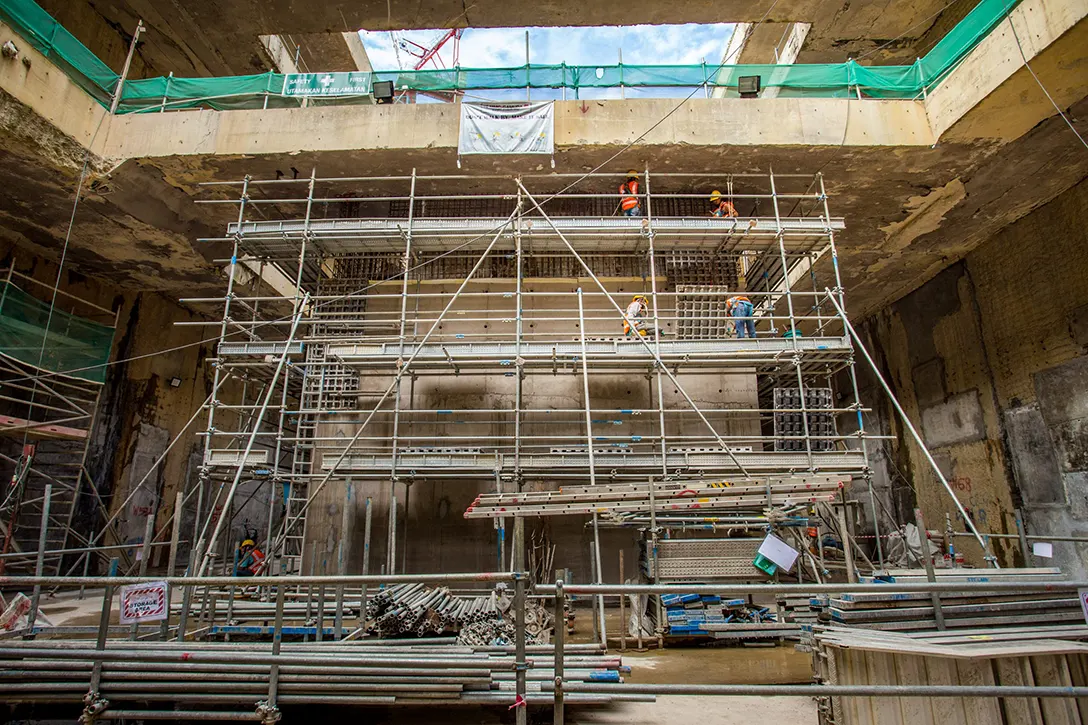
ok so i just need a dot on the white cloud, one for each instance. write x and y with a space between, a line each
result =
505 47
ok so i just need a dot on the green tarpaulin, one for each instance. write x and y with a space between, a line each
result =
256 91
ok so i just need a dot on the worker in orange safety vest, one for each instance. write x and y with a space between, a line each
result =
629 195
721 207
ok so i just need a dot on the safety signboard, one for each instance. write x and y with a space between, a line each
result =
147 602
1082 594
327 84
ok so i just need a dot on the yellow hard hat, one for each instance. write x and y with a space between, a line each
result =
715 195
631 173
639 297
249 542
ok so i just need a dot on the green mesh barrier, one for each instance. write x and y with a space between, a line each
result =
72 342
49 37
831 80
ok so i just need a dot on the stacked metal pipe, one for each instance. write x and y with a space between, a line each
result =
237 674
407 609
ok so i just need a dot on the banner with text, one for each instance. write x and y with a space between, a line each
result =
507 128
327 84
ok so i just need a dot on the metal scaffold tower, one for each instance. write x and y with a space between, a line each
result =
387 331
51 376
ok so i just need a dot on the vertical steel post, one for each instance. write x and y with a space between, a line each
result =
623 610
171 562
277 641
528 69
560 635
520 664
117 89
406 264
39 563
927 561
863 445
1022 534
654 533
592 464
145 552
847 545
341 554
103 631
366 562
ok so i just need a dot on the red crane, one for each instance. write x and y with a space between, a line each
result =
430 55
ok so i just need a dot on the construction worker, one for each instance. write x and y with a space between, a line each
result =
636 311
740 309
721 207
629 195
250 559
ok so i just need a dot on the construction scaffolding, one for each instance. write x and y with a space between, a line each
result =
405 330
52 371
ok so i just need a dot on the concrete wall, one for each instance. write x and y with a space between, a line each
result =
438 537
988 358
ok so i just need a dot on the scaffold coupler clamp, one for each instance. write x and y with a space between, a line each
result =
269 713
93 705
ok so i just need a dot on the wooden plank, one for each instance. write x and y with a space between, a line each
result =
858 710
911 670
1051 671
1015 672
1078 674
19 426
946 710
881 667
978 710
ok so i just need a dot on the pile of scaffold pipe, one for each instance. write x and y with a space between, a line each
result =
413 609
613 499
237 674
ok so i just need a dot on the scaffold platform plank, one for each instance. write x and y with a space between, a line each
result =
604 234
728 352
844 463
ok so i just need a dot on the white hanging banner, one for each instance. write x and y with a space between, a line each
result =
507 128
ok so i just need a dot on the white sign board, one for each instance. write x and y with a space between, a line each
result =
327 84
1043 549
778 551
1082 594
147 602
507 128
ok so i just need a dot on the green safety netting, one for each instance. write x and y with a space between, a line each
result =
49 37
265 90
73 345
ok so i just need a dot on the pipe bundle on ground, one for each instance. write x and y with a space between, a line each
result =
237 674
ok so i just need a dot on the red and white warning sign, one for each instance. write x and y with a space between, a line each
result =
147 602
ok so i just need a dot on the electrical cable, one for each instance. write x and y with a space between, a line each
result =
1016 37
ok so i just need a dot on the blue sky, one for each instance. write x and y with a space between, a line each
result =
505 47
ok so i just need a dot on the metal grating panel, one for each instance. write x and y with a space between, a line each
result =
232 458
702 559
